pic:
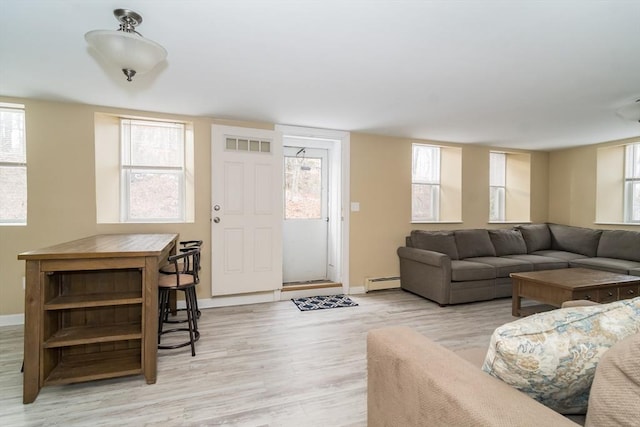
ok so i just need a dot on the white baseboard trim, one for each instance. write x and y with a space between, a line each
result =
231 300
354 290
12 319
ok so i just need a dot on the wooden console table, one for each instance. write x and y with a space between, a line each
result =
91 309
554 287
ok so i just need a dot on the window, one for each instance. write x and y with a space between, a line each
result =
13 165
152 171
425 183
497 186
632 183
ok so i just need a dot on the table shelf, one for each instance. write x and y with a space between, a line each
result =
79 335
63 302
95 366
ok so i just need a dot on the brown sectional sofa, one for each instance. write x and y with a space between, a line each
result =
452 267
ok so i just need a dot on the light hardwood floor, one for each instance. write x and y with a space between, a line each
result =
256 365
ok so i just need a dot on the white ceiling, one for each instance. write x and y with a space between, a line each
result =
520 74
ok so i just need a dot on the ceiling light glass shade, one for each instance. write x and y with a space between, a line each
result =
128 51
631 112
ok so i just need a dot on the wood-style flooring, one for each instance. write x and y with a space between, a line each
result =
256 365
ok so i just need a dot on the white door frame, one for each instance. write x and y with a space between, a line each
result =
338 145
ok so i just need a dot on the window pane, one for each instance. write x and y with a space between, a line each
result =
497 169
12 139
153 143
13 195
154 196
424 202
632 161
426 164
632 183
303 188
496 204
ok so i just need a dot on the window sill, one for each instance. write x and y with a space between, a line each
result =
632 224
509 222
436 222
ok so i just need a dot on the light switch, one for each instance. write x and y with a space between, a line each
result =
355 207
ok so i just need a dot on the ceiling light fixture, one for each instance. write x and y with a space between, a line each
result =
126 47
631 112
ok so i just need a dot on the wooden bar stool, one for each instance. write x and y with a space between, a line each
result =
170 268
185 278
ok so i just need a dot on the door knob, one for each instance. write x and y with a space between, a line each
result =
216 208
216 220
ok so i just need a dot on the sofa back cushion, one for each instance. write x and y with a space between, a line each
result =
575 239
437 241
473 243
616 385
536 236
508 242
620 244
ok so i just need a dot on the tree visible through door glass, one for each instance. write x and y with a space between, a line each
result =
303 188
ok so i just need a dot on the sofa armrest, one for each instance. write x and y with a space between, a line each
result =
413 381
435 259
426 273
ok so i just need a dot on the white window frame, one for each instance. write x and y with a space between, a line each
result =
497 186
631 181
127 168
433 181
16 164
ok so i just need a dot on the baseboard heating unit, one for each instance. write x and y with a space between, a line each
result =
379 283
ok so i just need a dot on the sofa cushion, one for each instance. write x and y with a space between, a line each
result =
504 266
575 239
508 242
616 385
462 271
540 262
473 243
613 265
620 244
536 236
563 255
552 356
437 241
634 272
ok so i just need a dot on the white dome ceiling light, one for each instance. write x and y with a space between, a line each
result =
126 47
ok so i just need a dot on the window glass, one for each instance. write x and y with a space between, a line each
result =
425 183
632 183
303 188
13 166
497 186
152 171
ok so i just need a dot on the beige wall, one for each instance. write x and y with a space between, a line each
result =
573 195
381 183
61 204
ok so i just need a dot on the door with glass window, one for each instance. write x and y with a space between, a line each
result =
246 229
305 227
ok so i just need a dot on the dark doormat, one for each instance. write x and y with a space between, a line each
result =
322 302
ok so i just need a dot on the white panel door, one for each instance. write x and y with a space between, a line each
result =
246 228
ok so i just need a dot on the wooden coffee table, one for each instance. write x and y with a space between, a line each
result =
553 287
